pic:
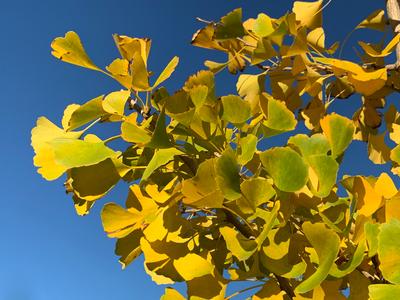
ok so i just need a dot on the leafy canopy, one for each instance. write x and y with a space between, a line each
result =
208 203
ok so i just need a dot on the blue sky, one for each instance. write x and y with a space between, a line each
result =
47 251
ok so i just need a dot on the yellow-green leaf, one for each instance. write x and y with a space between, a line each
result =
388 250
241 247
230 26
160 158
326 244
263 26
286 167
115 102
70 49
384 291
228 178
235 109
166 73
339 131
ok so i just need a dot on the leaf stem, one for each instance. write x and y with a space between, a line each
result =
115 137
244 290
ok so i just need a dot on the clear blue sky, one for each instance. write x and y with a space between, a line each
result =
46 251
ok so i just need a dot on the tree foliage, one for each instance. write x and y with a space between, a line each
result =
209 203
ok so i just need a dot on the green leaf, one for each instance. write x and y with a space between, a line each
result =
310 145
339 131
228 178
160 138
160 158
257 191
278 116
286 167
325 169
167 72
248 146
326 244
371 234
241 247
230 26
384 291
192 266
78 153
235 109
388 250
263 26
352 264
70 50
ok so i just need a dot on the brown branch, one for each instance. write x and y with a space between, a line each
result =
242 228
393 12
285 285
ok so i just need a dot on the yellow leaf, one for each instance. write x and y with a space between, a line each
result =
376 20
308 13
119 69
140 76
115 102
192 266
171 294
129 47
70 49
368 200
385 52
317 38
118 221
166 73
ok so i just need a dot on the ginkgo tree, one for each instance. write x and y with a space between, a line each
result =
208 203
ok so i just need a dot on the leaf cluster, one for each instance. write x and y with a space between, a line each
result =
209 204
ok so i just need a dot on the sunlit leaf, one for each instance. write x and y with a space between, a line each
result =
376 21
388 250
69 49
286 167
339 132
326 245
309 14
384 291
192 266
235 110
166 73
160 158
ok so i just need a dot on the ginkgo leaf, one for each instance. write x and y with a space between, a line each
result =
310 145
119 69
263 26
94 181
117 221
160 158
352 264
228 178
388 250
172 294
202 190
166 73
376 21
257 191
115 102
69 49
231 25
339 131
383 291
192 266
326 245
325 169
241 247
160 138
286 167
278 116
309 14
128 248
371 235
248 146
129 47
140 76
132 132
316 38
90 111
72 153
235 109
385 52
